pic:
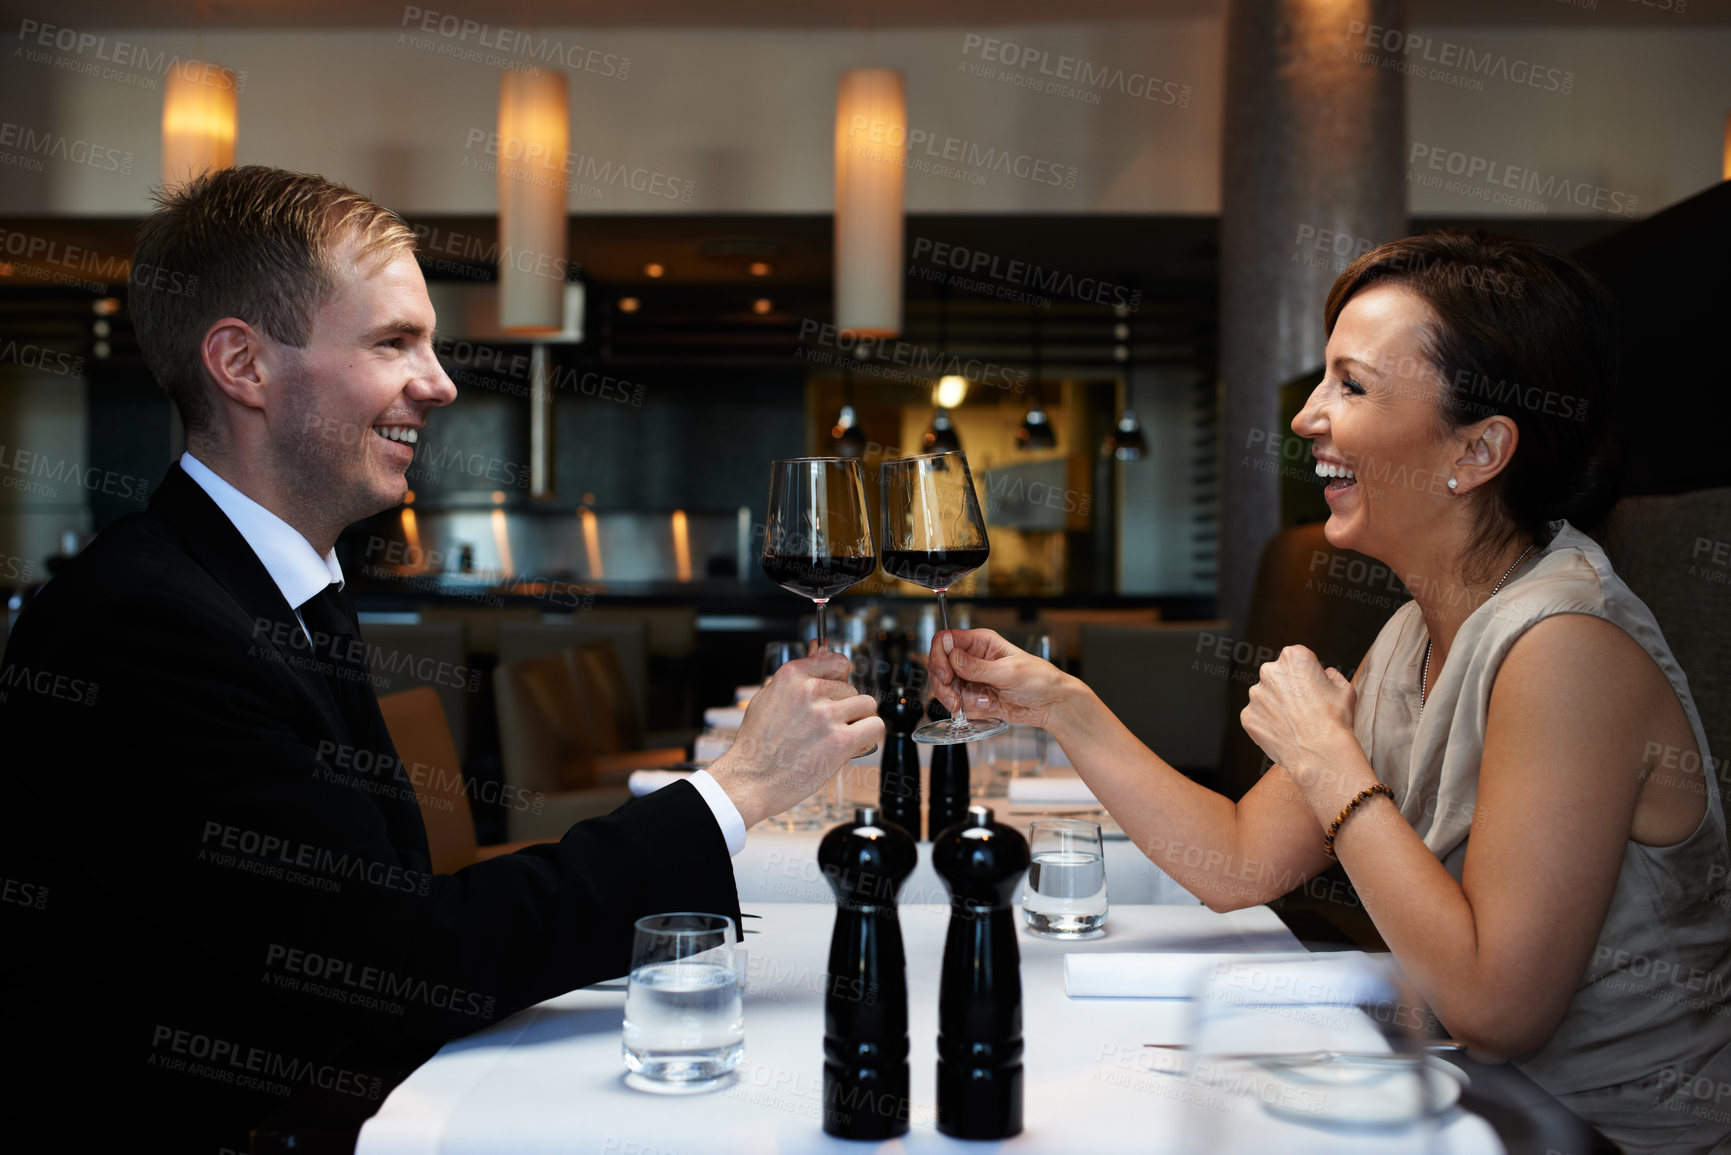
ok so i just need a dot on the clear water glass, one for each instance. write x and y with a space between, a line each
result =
684 1006
1065 894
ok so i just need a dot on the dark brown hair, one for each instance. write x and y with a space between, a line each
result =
255 243
1524 332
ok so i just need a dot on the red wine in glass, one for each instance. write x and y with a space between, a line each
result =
817 578
934 535
818 540
936 569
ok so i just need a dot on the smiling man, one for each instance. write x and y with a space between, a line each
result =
218 930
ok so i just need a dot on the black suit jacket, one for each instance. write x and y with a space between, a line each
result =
218 907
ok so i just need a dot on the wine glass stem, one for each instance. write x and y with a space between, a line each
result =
822 636
959 719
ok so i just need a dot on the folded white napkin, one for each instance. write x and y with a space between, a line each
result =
1330 979
649 781
1060 789
1137 976
724 717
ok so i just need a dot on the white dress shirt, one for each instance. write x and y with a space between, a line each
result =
301 574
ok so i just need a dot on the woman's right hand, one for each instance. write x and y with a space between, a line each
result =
983 673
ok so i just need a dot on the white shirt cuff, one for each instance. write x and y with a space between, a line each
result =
727 815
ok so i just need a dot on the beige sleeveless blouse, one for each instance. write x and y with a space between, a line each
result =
1644 1049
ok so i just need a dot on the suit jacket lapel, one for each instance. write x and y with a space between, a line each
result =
206 534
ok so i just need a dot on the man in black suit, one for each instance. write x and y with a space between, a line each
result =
220 914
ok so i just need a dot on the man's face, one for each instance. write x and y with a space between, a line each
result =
355 397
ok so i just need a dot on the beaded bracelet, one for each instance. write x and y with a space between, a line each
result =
1334 827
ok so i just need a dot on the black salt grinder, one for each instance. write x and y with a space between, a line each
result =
865 1006
980 991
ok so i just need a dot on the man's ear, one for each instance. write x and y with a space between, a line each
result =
235 356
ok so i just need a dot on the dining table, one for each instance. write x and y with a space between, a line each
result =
1101 1074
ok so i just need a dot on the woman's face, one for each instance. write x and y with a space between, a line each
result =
1375 417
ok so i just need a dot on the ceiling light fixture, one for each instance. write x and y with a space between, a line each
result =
198 121
534 135
871 144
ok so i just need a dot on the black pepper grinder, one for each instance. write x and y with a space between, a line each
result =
865 1006
899 766
980 991
949 779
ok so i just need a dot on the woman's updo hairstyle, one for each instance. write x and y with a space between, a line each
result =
1526 333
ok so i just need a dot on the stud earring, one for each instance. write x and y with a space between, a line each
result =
1453 484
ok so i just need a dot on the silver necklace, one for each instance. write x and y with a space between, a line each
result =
1424 674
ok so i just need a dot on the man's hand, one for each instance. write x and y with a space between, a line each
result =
799 730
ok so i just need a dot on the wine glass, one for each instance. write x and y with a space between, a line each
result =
1334 1042
933 535
818 541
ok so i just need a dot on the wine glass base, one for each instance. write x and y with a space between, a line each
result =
946 734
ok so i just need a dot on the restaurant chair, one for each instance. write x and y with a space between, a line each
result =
416 721
481 624
671 697
1065 626
1664 547
402 656
1334 602
569 736
1163 682
629 638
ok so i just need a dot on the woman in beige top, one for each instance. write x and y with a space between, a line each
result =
1549 863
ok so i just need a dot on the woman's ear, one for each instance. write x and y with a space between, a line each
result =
1489 447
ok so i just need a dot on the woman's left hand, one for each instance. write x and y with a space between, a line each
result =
1301 714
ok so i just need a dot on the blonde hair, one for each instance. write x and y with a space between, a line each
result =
256 243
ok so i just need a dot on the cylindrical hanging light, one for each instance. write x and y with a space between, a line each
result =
199 117
534 134
871 144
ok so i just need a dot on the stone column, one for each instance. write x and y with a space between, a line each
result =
1314 142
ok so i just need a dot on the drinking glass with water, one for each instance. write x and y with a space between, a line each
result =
1065 896
684 1009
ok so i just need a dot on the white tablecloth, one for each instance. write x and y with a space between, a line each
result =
549 1079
